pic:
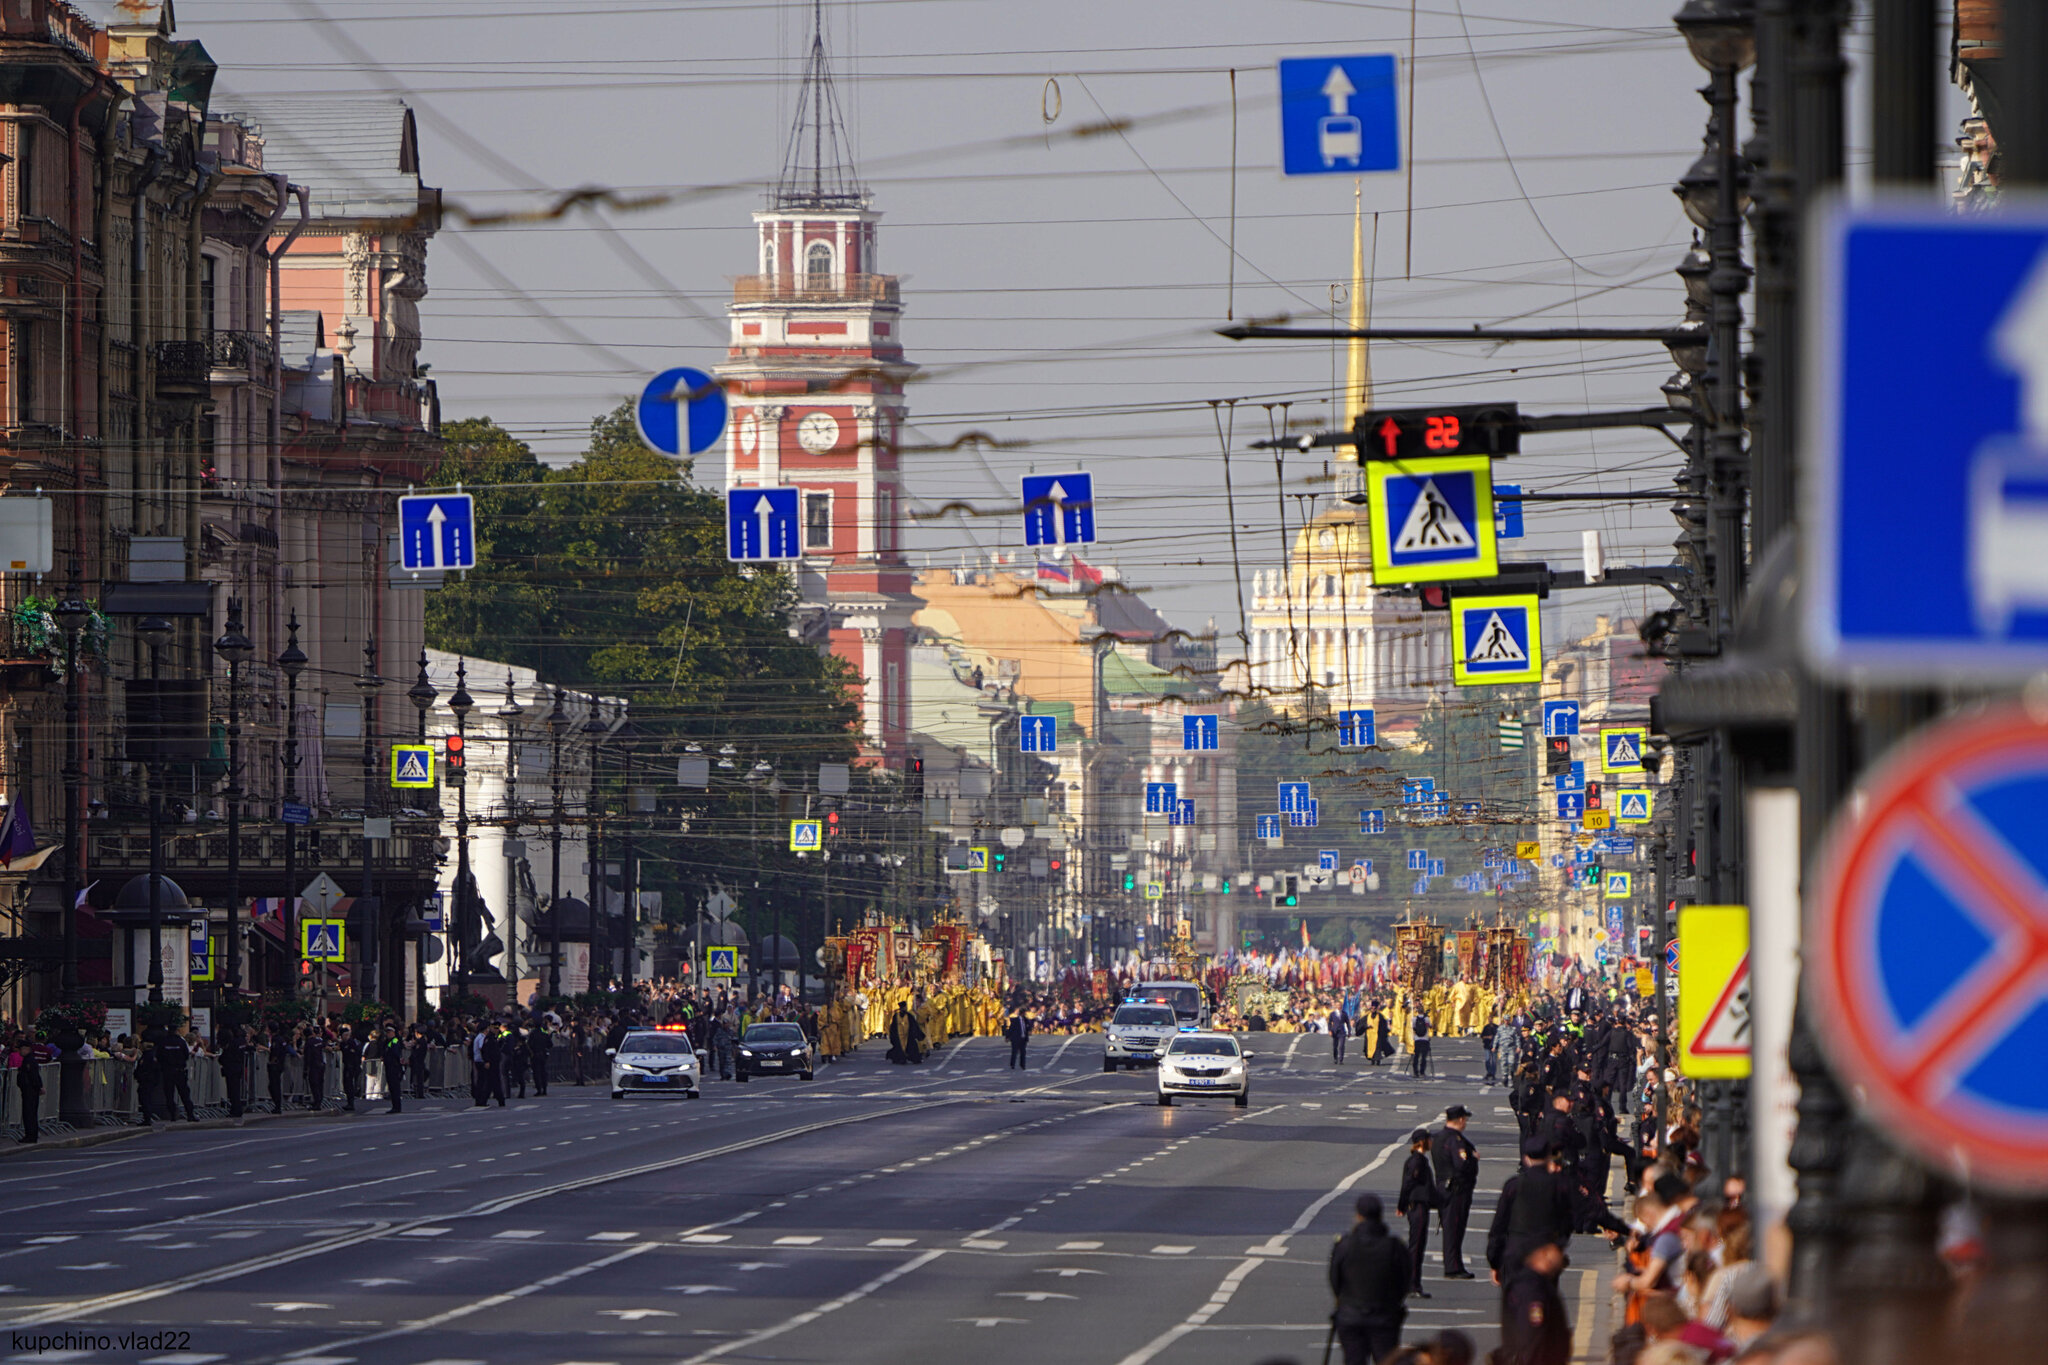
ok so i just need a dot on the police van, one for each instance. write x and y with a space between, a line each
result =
1189 1001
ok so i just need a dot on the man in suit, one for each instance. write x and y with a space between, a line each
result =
1455 1162
1018 1030
1419 1194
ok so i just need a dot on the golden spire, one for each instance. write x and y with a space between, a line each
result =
1358 359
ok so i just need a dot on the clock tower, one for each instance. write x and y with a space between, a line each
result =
815 377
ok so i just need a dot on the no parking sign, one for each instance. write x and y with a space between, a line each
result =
1930 947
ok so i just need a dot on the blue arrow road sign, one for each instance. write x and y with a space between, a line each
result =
1038 734
1928 503
1183 811
1326 859
1059 509
1571 806
1293 797
1307 816
1269 827
761 523
436 531
1159 798
1571 782
1372 822
1560 718
1338 115
681 412
1436 867
1199 732
1355 730
1507 511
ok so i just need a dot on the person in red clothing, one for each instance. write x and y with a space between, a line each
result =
1664 1320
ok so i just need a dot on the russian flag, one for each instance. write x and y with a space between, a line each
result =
1047 569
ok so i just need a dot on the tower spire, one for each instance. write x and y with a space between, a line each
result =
1357 359
817 167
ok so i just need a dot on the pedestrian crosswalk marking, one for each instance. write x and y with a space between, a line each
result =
1431 524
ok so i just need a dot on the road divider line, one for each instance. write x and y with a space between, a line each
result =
1275 1246
811 1315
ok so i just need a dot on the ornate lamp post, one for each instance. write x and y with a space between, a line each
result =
237 649
594 731
372 914
154 632
291 662
557 722
422 696
461 703
72 614
758 777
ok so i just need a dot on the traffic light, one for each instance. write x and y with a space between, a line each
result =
1291 894
832 822
1000 858
1055 864
1406 433
1130 881
1592 796
1557 756
1226 886
455 753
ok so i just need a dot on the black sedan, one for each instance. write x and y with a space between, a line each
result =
775 1050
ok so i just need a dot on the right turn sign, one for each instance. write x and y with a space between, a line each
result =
1713 992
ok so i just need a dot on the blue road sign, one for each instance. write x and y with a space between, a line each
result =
1571 805
1038 734
1183 811
293 813
436 531
1571 782
1199 732
1623 749
1927 944
1372 822
1307 816
1507 511
1436 867
1418 859
1293 797
1560 718
1355 730
1269 827
1469 808
761 523
1326 859
1632 805
1159 798
681 412
1431 518
1928 503
1339 115
1671 956
1059 509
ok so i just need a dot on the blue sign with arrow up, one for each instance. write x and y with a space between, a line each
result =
761 524
681 412
436 531
1339 115
1059 509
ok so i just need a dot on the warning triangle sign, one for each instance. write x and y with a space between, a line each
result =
1496 644
412 768
1633 806
1725 1031
1432 525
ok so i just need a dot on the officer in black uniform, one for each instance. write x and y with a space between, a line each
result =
1369 1275
1533 1326
234 1064
1419 1194
174 1060
351 1049
1536 1206
540 1047
391 1052
1456 1164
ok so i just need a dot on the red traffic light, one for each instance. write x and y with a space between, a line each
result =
1406 433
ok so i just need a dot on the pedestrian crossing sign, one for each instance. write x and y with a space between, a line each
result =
1620 885
1155 891
1432 519
1633 807
322 940
412 765
1499 640
722 962
200 967
806 836
1621 750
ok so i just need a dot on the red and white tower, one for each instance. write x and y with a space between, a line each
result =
815 379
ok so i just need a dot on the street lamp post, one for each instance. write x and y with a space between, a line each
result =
758 777
291 662
460 704
557 722
509 713
368 684
237 649
629 873
599 887
154 631
72 615
422 696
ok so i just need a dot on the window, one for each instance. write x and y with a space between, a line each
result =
24 376
209 272
818 265
817 521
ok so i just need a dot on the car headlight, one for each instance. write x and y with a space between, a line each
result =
746 1052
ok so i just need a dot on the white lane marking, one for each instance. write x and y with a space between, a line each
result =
882 1281
611 1236
1171 1250
798 1241
426 1232
707 1238
893 1242
1276 1246
184 1358
1288 1061
984 1244
1582 1335
1080 1246
312 1355
516 1234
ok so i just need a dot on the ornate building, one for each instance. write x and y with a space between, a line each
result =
815 378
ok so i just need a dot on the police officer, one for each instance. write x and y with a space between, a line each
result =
1533 1326
1535 1207
1456 1165
1419 1194
316 1067
280 1049
351 1049
391 1052
540 1049
234 1062
1369 1275
174 1061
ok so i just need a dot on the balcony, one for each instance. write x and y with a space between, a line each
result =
822 290
183 368
239 357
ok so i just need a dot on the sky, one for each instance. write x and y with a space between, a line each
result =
1061 282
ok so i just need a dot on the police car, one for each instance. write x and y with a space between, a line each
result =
1201 1063
1135 1034
656 1061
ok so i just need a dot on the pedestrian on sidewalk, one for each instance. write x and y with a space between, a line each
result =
280 1049
174 1062
315 1052
149 1079
540 1050
1369 1276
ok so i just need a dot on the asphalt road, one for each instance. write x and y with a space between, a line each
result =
955 1211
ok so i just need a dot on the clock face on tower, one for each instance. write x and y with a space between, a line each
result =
749 433
818 432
